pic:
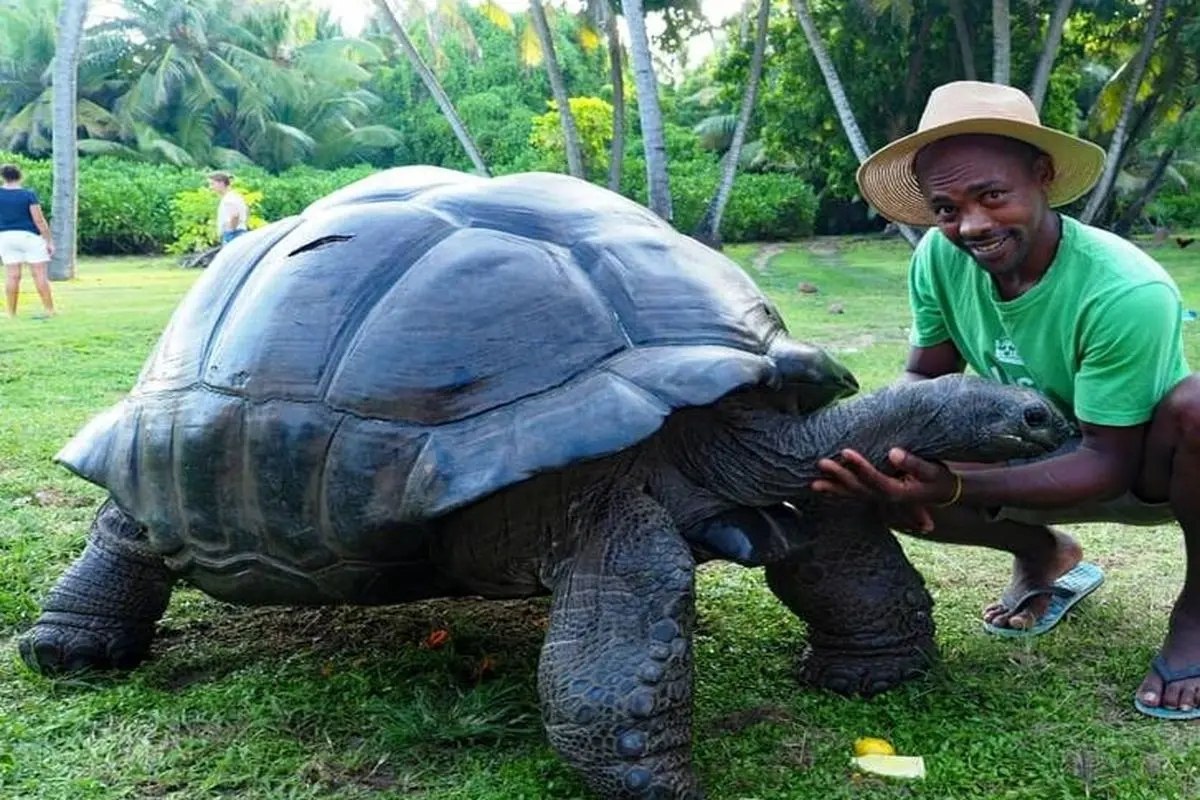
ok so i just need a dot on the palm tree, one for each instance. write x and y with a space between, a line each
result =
431 83
649 111
1001 42
709 229
964 38
838 95
1166 143
558 87
1054 33
617 156
27 46
65 203
1137 70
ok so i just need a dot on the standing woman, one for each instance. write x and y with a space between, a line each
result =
24 239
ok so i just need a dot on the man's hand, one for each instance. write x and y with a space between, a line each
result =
921 484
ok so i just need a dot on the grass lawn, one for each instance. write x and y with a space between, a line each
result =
347 703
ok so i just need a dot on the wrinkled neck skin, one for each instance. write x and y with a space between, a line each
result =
751 455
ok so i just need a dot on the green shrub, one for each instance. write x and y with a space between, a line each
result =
195 218
134 207
289 192
762 207
1180 211
594 124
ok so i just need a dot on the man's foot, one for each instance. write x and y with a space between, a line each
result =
1035 569
1175 684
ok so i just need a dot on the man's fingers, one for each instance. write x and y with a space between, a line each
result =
842 476
914 465
923 518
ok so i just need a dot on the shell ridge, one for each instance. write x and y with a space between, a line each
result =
219 320
361 311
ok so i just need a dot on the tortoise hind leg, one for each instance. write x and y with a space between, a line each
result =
102 612
615 675
869 616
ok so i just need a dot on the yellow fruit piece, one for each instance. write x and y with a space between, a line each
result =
892 766
868 745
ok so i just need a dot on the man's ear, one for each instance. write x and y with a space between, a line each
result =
1043 170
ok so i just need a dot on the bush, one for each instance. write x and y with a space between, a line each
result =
134 207
763 206
195 218
1176 211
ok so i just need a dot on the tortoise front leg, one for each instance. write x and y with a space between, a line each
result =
615 676
102 612
868 613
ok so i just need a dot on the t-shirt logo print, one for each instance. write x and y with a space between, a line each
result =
1006 352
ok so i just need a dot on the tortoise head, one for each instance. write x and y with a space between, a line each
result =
966 418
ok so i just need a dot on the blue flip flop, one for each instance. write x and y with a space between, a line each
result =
1069 589
1159 665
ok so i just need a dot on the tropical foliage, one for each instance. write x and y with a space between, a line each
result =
270 86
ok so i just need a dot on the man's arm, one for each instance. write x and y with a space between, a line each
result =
1104 466
39 219
932 362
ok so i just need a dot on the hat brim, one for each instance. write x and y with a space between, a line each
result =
889 183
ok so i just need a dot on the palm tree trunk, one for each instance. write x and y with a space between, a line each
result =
435 88
964 39
617 156
1125 224
1001 43
1137 70
649 111
1041 75
838 95
64 146
558 87
709 229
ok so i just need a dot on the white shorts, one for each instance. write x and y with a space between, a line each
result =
22 246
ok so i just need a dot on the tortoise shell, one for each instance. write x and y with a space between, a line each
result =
414 342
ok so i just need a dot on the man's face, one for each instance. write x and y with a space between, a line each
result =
217 186
988 196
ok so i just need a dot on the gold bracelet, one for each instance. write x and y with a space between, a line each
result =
958 483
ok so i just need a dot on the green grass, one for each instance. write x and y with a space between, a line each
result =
346 703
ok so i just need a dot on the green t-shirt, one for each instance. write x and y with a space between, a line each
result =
1099 334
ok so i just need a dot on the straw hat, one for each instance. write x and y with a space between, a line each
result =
887 179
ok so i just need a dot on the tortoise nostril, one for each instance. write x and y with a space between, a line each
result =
1036 416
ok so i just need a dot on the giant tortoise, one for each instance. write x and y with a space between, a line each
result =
431 384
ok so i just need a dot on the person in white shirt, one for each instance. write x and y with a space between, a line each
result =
232 213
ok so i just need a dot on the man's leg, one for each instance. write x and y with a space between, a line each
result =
1040 555
1171 470
12 287
42 282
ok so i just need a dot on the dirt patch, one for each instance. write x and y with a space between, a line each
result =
740 720
512 627
852 344
762 259
827 252
380 776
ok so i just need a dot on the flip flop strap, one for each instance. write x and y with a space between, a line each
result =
1159 664
1023 600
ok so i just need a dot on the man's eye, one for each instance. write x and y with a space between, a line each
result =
994 194
943 211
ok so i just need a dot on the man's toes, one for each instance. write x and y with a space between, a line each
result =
1187 697
1022 620
994 612
1150 692
1181 695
